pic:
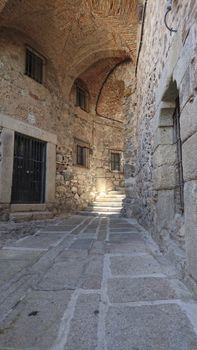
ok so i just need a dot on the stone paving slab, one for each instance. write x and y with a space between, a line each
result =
28 278
83 327
35 321
155 327
63 275
57 229
124 237
125 290
68 254
90 235
123 227
15 254
73 220
126 248
90 290
91 281
123 231
102 235
82 244
118 220
134 265
90 229
40 241
8 269
93 272
95 265
98 247
54 236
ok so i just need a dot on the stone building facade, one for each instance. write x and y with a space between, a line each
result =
116 85
166 76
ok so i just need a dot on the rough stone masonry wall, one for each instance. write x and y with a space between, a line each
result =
44 107
167 65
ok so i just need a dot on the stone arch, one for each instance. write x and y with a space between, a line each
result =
114 90
80 36
81 66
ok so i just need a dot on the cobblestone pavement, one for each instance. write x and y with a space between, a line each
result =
90 283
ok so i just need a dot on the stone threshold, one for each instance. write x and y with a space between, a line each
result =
27 207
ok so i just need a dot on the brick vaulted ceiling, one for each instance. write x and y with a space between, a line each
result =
74 34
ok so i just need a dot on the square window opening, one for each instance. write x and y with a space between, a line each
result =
115 161
82 156
81 98
34 65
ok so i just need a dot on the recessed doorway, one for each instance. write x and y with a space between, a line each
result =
29 170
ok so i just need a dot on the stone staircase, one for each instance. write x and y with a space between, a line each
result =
108 204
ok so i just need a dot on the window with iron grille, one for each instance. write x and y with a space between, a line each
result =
179 188
82 156
82 98
115 161
34 65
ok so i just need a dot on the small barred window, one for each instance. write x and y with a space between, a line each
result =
34 65
115 161
82 98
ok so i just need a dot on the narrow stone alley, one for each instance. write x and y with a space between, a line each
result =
92 283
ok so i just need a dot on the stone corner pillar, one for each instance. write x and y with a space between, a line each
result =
6 164
50 172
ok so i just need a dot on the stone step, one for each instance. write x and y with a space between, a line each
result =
27 207
104 209
31 215
109 201
110 198
117 192
106 204
100 213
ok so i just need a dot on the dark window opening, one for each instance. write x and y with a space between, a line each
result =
29 170
34 66
82 156
115 161
82 98
179 188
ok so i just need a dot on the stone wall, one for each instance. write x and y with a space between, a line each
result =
44 107
167 67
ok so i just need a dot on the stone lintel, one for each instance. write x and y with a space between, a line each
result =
26 129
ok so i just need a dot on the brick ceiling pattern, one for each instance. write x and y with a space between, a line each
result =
74 34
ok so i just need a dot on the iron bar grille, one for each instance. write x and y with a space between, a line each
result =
34 66
82 156
179 188
29 170
81 98
115 161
